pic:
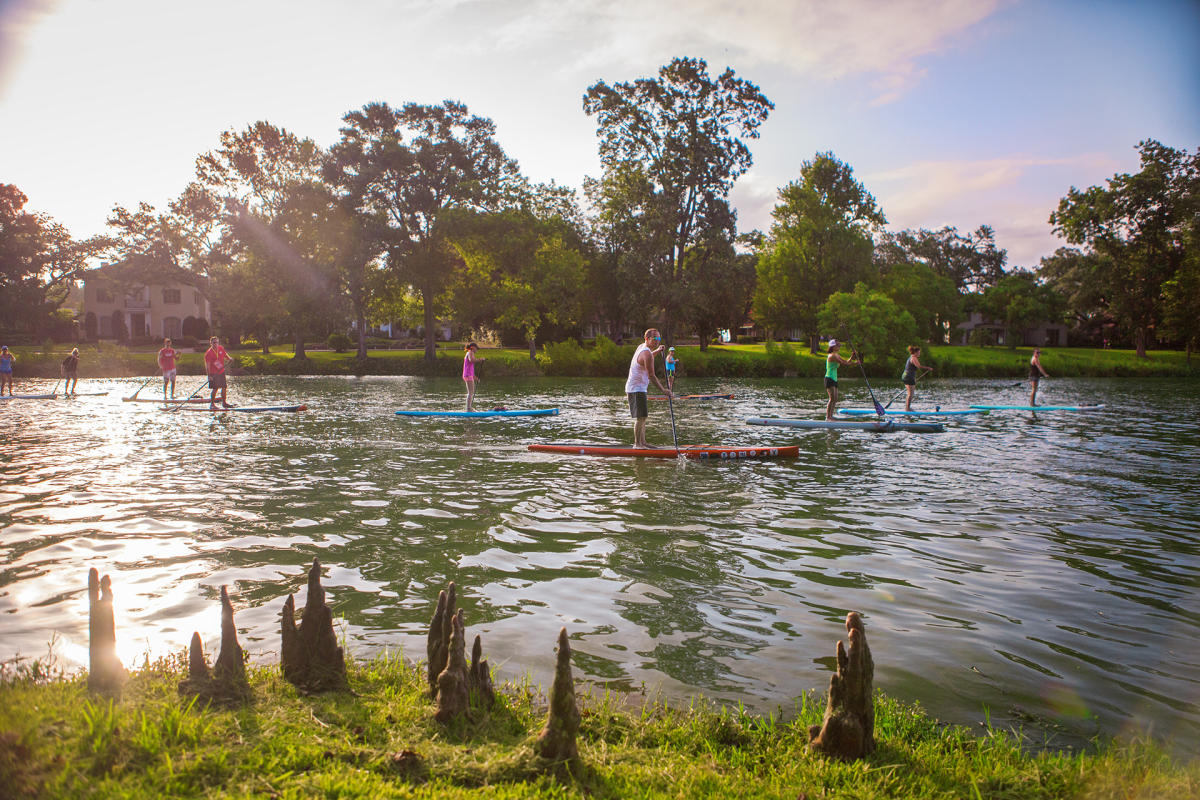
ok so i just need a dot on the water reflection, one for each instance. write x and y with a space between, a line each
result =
1043 565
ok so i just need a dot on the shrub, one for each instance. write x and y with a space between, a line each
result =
339 342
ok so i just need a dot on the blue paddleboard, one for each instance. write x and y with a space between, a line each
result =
1040 408
949 412
512 412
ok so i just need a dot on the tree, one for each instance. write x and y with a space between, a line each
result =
264 181
519 272
1077 276
1137 224
1181 295
820 243
932 300
972 261
1021 301
38 261
671 148
411 165
718 287
869 320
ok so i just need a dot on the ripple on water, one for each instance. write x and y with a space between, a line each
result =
1039 565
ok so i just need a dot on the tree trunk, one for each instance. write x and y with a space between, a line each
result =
264 341
430 345
1140 338
532 348
814 344
360 322
703 343
298 351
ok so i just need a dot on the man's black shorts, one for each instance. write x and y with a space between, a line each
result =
637 405
216 380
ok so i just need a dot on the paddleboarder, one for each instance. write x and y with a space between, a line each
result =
1036 373
6 369
641 370
909 378
70 371
214 364
469 376
166 362
831 379
671 361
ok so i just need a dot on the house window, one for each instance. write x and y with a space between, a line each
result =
1052 337
104 296
172 296
196 298
173 326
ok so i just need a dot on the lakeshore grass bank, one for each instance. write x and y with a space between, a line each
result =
606 359
381 741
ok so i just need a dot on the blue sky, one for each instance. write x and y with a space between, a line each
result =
952 112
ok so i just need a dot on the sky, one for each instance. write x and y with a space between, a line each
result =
951 112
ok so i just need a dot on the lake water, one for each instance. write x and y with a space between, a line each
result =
1038 569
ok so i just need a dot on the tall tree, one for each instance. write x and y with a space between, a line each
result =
671 148
820 243
38 261
410 165
1020 300
1137 223
256 177
972 261
718 287
932 299
1077 276
869 320
519 272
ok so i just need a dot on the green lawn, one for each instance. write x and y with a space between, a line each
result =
57 741
735 360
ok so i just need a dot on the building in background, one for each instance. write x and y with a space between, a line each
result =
120 305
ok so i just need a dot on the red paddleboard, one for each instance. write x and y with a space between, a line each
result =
693 451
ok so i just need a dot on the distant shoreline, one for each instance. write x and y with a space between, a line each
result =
611 361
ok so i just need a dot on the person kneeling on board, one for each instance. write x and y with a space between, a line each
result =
641 370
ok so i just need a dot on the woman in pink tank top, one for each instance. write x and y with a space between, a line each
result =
469 374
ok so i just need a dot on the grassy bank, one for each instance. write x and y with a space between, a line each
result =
381 741
606 359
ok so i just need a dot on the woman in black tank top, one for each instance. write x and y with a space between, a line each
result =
1036 373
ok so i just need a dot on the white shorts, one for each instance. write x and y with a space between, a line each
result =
169 373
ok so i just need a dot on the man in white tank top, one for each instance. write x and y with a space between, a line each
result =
641 370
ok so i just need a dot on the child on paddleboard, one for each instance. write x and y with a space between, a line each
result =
1036 373
671 361
909 378
468 374
6 369
831 380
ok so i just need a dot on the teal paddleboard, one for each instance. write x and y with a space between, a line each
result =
948 412
1039 408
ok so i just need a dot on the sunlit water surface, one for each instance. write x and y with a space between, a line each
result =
1040 570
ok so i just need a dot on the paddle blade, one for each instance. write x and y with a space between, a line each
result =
878 408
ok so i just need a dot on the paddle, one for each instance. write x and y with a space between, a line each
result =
54 391
897 394
671 406
178 406
143 386
878 408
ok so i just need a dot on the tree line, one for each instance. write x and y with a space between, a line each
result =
416 214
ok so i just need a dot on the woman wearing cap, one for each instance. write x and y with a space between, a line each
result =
831 385
70 371
671 362
6 372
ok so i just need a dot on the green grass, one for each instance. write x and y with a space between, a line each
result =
56 740
568 359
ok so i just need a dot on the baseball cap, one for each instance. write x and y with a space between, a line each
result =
833 343
670 349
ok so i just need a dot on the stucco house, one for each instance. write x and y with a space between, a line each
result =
118 305
1042 334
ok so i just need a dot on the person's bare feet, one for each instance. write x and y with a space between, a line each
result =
644 446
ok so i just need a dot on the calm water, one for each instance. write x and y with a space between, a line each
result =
1041 569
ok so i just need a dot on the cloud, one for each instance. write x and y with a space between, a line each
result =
812 38
1014 195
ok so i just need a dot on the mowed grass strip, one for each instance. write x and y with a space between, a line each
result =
381 741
